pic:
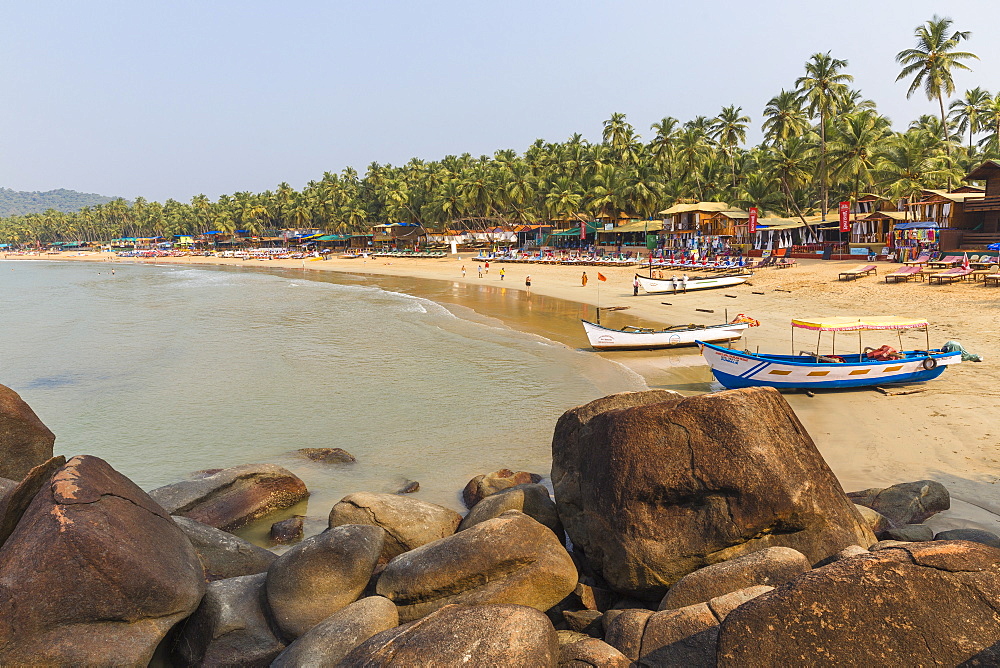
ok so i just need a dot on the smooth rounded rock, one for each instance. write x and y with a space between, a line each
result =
230 627
482 486
321 575
498 636
231 498
287 531
25 442
905 502
94 569
875 520
651 486
327 455
222 554
919 604
510 559
911 533
974 535
327 643
771 566
531 499
408 522
587 652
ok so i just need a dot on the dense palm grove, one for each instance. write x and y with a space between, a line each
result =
823 142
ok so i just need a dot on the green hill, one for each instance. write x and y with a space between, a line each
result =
17 202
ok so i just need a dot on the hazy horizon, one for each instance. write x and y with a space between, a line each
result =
170 101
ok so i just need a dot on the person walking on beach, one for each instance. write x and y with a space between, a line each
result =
584 279
479 268
463 271
527 281
684 283
487 267
675 282
635 287
502 272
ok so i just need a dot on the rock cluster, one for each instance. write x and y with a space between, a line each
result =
705 531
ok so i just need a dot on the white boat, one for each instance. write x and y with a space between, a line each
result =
666 285
812 370
638 338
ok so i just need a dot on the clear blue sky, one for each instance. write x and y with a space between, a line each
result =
171 99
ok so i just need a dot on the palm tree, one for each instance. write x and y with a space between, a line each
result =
729 129
967 113
931 63
784 117
823 87
991 119
854 147
792 165
621 137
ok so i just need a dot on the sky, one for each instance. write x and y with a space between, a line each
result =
171 99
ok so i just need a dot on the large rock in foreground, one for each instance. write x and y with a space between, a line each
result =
24 441
499 636
95 572
919 604
510 559
408 522
651 490
231 498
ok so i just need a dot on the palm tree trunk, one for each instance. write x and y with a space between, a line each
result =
822 160
791 200
944 126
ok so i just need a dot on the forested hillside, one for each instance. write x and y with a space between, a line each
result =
19 203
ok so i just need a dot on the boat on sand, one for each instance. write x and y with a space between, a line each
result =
812 370
667 285
642 338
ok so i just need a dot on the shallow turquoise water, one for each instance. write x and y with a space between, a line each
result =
164 370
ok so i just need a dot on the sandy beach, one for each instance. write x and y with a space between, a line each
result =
948 432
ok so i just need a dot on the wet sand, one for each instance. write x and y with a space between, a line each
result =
949 432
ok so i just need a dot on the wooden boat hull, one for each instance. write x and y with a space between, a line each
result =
603 338
736 369
661 286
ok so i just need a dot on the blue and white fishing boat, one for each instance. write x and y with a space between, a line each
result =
812 370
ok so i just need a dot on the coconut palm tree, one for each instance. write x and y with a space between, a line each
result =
991 120
967 112
729 129
854 147
931 62
784 117
823 88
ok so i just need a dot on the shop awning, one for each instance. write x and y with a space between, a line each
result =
636 226
922 225
575 232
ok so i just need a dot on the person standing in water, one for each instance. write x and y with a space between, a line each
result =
527 281
463 271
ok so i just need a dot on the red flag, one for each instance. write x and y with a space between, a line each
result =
965 262
845 216
601 277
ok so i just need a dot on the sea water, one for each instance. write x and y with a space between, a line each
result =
166 370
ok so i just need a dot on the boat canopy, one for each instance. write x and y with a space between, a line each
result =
858 324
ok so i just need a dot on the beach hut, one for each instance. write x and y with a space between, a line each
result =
983 213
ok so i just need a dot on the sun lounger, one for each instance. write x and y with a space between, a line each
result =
904 274
948 261
949 276
785 263
991 278
921 260
858 272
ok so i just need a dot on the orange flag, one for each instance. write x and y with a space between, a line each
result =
601 277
